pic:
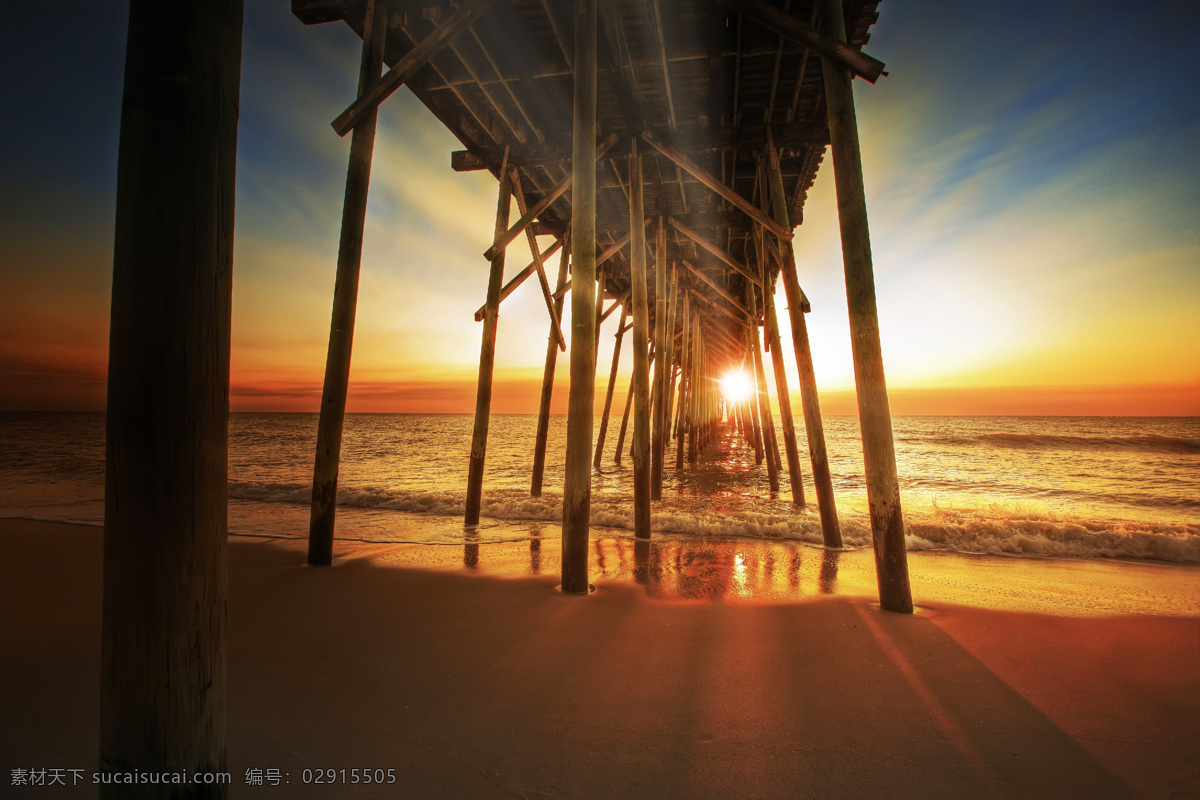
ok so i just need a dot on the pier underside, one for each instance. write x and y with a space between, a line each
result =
661 153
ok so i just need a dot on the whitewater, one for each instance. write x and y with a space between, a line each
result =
1087 487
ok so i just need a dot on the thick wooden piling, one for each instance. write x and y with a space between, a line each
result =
875 422
543 425
162 666
641 336
487 358
577 484
814 427
608 396
345 301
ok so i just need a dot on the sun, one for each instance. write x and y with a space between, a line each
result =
737 385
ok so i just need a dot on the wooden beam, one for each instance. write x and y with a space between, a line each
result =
720 292
540 207
608 396
577 474
163 645
537 262
408 66
641 337
487 358
520 277
715 185
721 255
832 48
875 418
718 306
620 301
663 364
345 300
543 426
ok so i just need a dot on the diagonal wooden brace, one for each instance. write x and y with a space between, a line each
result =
541 206
410 64
721 255
702 175
520 277
797 30
537 262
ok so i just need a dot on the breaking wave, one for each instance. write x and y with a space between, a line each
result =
995 530
1036 441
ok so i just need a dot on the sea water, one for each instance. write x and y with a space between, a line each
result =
1049 486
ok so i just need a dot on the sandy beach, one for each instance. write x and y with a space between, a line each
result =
723 669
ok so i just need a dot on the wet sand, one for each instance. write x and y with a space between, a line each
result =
723 669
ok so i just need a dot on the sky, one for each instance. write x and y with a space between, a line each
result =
1032 177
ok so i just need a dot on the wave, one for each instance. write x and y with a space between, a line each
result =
1038 441
994 530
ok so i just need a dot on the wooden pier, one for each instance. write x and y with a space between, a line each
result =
669 152
665 147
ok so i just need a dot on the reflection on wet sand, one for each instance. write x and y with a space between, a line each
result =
686 569
535 551
719 570
470 548
829 571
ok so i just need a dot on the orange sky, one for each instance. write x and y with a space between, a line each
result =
1036 246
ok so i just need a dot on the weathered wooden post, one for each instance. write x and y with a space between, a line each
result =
608 396
685 381
785 403
874 415
345 301
577 483
487 356
599 308
543 425
641 336
624 423
814 428
696 408
162 667
662 365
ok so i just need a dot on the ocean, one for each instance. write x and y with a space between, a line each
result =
1085 487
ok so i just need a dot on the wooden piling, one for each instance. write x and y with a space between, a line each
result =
345 301
608 396
487 359
577 485
875 421
684 382
785 403
814 428
543 426
624 423
641 335
662 366
162 665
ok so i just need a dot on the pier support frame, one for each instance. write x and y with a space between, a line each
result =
874 415
577 485
162 666
345 302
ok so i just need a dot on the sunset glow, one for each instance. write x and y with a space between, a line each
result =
737 385
1035 252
